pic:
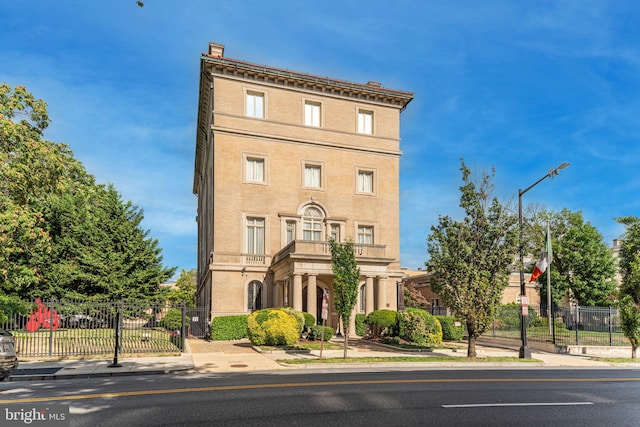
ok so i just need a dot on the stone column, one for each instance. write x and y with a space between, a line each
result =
368 295
312 307
297 292
382 293
277 294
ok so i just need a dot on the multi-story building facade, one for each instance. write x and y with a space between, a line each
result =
284 162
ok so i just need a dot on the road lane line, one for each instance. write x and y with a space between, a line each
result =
115 394
489 405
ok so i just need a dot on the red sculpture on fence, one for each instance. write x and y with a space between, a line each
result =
43 317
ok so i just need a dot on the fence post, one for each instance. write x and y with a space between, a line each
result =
115 363
553 321
183 329
577 323
51 327
610 328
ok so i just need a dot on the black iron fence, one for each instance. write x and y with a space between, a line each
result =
597 326
82 328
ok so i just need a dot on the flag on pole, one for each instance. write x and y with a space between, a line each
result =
545 258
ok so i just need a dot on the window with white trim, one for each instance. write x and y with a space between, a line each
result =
312 220
365 122
254 169
365 234
254 104
365 182
312 175
290 231
255 235
312 112
334 232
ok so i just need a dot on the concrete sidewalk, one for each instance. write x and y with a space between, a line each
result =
240 356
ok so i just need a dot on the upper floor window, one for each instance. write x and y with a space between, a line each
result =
312 224
255 104
365 181
312 113
312 175
365 122
334 232
255 235
290 232
365 234
254 169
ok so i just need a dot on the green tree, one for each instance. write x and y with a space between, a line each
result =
61 234
346 278
629 293
582 264
185 288
470 259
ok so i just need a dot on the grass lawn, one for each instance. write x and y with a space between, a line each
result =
421 359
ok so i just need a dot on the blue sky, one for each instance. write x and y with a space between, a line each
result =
522 86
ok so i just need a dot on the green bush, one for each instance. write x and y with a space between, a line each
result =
451 332
273 327
224 328
309 320
298 315
172 321
420 327
382 322
316 332
361 329
508 317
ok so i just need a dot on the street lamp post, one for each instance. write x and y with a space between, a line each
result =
525 352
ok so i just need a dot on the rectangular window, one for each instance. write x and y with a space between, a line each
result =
335 232
254 169
365 181
312 176
365 234
312 113
255 236
365 122
290 232
255 104
312 229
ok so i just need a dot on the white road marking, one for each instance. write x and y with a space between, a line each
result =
487 405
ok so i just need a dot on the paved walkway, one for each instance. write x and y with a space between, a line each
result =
240 356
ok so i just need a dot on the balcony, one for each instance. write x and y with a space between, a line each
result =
322 250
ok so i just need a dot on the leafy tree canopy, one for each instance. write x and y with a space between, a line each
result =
470 258
629 294
62 235
346 278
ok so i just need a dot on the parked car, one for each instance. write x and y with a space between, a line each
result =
83 321
8 359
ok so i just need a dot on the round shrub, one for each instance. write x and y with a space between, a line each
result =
309 320
316 332
382 322
451 332
420 327
508 317
172 321
272 327
299 316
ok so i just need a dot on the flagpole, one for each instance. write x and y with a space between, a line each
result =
525 352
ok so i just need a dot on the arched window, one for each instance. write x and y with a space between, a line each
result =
312 224
254 296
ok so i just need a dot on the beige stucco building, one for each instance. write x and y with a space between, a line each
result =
284 161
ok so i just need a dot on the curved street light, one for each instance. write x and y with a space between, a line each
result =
525 352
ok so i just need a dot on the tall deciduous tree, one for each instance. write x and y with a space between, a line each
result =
185 288
470 259
61 234
629 294
346 278
582 264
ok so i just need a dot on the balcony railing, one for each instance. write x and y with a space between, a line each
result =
302 248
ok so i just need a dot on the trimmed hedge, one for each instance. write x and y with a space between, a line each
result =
224 328
382 322
309 320
508 317
298 315
274 327
420 327
451 332
316 331
361 328
172 321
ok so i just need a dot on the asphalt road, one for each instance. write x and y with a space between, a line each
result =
533 397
